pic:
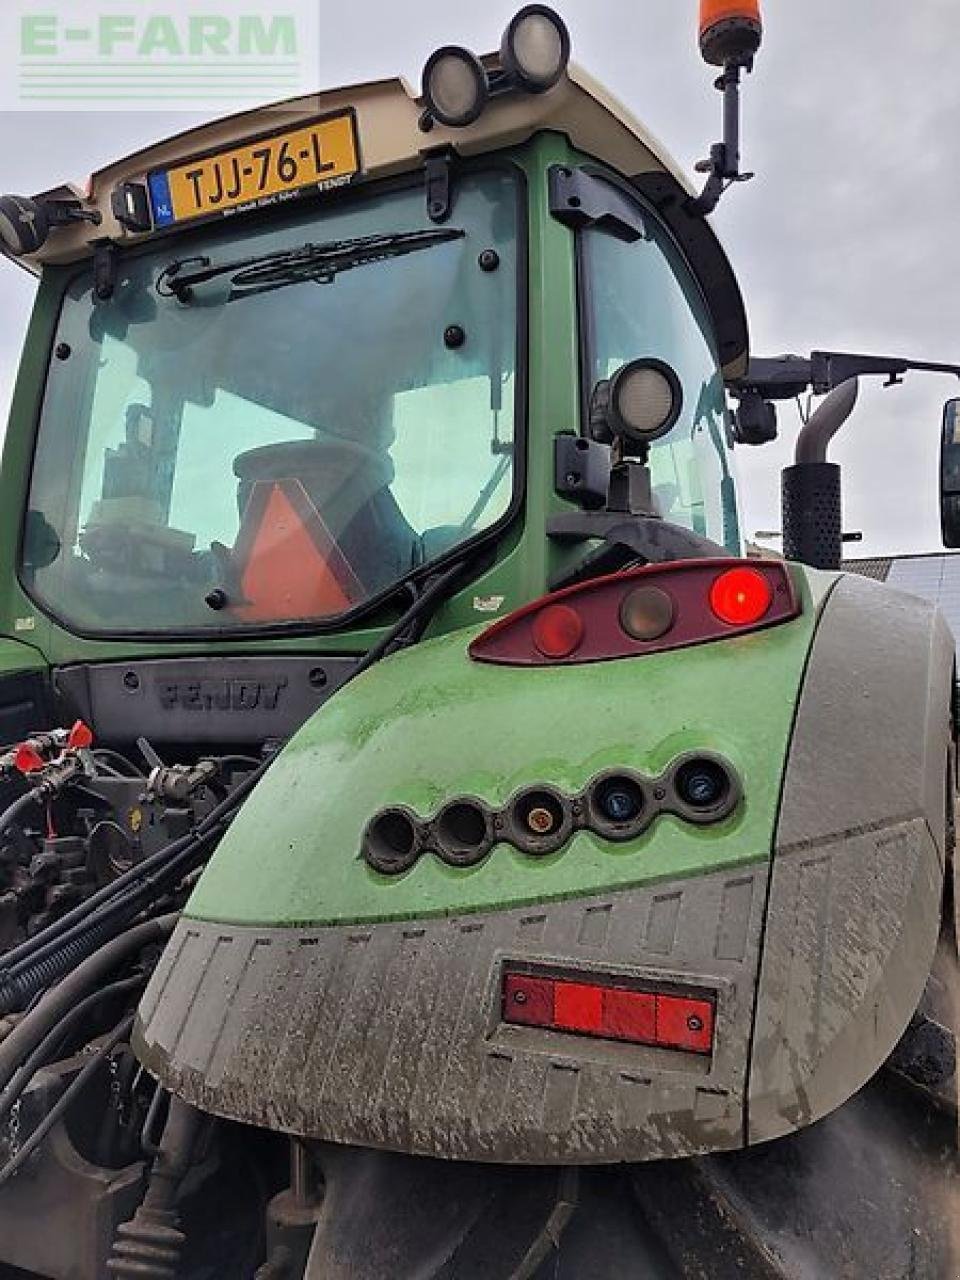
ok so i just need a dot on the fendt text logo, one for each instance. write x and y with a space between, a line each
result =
98 55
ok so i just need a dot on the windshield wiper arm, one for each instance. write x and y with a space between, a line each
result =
319 263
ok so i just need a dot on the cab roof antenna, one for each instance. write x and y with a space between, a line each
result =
730 35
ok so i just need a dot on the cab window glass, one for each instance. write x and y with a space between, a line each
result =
641 299
301 444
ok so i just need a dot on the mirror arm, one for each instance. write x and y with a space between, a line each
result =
786 377
831 368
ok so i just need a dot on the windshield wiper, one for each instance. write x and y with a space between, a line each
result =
317 263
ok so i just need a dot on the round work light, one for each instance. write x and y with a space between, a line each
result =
455 86
645 400
535 49
24 225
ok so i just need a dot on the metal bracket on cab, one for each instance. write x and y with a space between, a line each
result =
104 270
579 199
439 192
581 469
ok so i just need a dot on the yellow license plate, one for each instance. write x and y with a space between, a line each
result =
320 155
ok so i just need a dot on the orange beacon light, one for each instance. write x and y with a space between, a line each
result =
730 30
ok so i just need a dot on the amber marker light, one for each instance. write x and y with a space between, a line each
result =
730 30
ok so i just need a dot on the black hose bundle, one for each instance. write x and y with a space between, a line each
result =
59 1002
60 1107
41 960
13 811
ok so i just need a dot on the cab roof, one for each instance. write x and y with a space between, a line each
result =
391 141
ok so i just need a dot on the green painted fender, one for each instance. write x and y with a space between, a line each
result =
307 993
430 725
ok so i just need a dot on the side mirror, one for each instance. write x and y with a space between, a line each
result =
950 475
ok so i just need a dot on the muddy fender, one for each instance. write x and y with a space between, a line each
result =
857 880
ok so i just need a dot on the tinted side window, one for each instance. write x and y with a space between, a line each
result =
640 299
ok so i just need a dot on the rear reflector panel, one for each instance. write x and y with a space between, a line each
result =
684 1023
577 1007
528 1001
630 1015
661 1019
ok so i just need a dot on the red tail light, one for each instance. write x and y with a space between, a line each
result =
662 1019
648 610
741 597
557 631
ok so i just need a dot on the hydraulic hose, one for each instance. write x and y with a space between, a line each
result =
55 956
76 1085
13 811
52 1007
54 1037
434 589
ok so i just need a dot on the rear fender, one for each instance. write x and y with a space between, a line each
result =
856 887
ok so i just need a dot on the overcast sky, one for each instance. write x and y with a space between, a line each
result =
847 239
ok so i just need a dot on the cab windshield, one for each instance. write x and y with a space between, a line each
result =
277 423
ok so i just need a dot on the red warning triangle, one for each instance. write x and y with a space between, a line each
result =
290 566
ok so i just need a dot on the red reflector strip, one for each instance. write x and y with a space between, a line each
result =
577 1007
528 1001
630 1015
683 1023
609 1013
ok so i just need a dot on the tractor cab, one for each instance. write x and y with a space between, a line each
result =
302 359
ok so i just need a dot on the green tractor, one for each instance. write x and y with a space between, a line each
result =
430 848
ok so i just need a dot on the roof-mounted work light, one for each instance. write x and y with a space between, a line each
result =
455 87
639 404
730 35
25 224
535 49
534 54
